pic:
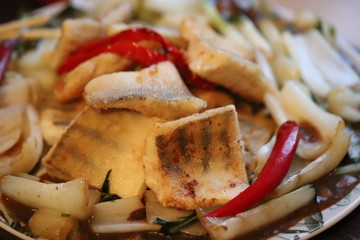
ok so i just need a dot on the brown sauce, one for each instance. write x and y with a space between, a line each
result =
330 189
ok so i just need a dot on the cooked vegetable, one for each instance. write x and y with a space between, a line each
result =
106 195
350 168
116 216
226 29
320 166
174 227
52 224
254 37
345 103
310 74
253 219
274 171
24 155
52 196
126 44
10 127
318 126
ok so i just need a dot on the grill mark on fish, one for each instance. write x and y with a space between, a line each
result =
72 152
167 157
206 139
182 140
62 123
96 134
225 139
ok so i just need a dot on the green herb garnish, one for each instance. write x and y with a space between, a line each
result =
105 190
173 227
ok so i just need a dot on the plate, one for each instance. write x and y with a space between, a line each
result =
306 228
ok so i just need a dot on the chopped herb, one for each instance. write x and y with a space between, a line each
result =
174 227
319 26
65 215
23 46
105 190
106 197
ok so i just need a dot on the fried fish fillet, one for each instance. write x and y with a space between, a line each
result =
222 64
196 161
98 141
154 91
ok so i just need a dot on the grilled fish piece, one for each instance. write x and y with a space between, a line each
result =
98 141
154 91
223 65
196 161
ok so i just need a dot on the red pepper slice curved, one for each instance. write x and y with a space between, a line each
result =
120 44
6 49
273 172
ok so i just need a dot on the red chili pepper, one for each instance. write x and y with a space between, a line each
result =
124 44
273 172
6 49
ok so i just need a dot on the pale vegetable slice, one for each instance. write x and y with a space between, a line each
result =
10 126
70 197
272 34
336 71
253 36
24 156
320 166
349 50
17 89
310 74
156 210
228 30
52 224
26 22
115 216
345 103
258 217
300 107
264 64
285 69
39 33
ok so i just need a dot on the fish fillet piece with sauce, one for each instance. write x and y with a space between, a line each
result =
154 91
98 141
222 63
196 161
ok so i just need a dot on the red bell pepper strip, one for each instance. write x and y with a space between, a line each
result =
122 41
6 49
272 174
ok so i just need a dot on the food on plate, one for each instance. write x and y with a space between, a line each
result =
154 91
196 161
194 119
97 141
